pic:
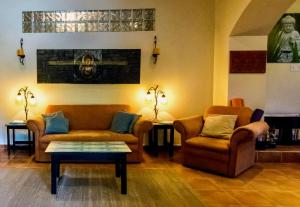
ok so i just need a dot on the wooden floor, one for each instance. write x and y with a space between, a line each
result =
264 185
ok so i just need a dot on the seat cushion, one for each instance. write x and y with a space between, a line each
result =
90 135
219 126
208 143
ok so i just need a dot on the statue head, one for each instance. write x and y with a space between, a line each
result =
288 24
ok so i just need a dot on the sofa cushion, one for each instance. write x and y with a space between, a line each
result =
56 124
122 122
134 120
89 117
90 135
213 144
219 126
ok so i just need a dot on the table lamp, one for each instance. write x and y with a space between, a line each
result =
159 97
27 97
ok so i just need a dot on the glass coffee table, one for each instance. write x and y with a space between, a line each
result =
88 151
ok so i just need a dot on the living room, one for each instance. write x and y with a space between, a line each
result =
194 39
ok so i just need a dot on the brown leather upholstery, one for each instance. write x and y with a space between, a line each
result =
89 123
228 157
90 135
89 117
209 143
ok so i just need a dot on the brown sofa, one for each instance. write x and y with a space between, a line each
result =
227 157
89 123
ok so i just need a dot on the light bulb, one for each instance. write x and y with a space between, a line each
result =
19 97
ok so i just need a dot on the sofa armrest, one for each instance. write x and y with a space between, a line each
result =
142 127
37 126
249 132
189 127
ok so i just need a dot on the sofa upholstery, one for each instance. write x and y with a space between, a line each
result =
227 157
89 123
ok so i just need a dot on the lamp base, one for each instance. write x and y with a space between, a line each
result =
155 120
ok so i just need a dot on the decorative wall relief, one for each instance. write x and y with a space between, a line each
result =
89 66
122 20
284 40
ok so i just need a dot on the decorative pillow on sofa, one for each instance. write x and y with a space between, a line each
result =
123 122
56 125
134 120
219 126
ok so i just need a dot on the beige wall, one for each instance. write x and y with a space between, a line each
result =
185 31
227 13
250 87
277 90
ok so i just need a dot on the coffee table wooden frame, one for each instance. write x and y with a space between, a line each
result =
118 158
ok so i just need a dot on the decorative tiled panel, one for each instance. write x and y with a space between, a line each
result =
121 20
89 66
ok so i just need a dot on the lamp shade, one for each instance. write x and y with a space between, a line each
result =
19 97
148 96
163 99
156 51
32 100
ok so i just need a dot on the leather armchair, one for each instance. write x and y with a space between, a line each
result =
228 157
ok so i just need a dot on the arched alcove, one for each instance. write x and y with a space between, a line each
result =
259 17
235 19
275 90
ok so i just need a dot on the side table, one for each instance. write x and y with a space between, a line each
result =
153 137
13 127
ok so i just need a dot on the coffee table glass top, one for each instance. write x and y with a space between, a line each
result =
91 147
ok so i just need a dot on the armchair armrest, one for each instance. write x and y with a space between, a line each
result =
37 126
249 132
142 127
189 127
242 146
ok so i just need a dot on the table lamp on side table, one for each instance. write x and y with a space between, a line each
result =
27 97
159 98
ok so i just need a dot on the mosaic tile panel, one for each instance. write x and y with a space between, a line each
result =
120 20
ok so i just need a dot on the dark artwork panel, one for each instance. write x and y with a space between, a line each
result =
284 40
89 66
248 61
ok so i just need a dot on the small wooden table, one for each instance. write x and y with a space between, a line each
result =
88 151
153 137
13 127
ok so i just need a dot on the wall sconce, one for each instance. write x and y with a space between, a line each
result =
21 53
23 95
156 50
157 98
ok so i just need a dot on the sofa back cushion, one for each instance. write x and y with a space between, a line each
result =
89 117
244 113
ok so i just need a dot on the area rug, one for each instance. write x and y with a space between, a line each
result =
94 187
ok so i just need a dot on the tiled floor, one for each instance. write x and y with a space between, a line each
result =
264 185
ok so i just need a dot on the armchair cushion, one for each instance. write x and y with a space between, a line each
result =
208 143
219 126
